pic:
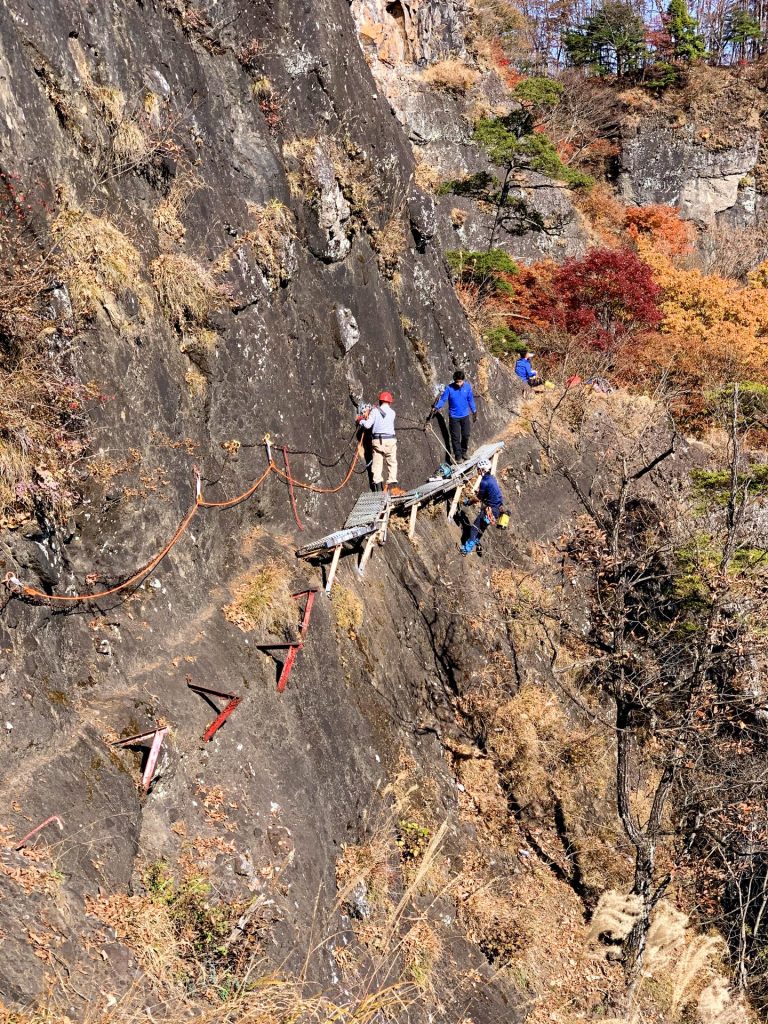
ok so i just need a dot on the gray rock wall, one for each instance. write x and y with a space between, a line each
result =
664 164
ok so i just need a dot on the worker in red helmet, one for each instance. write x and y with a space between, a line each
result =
381 422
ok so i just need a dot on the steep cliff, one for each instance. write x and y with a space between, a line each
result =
271 263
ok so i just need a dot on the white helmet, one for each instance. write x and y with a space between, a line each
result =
484 465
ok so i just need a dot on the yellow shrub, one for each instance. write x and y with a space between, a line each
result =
188 292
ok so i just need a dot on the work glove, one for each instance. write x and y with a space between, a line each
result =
431 414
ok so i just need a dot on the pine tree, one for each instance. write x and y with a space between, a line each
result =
744 33
688 45
612 40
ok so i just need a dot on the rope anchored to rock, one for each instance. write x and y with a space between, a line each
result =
17 588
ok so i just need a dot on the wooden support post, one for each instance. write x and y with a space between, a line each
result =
381 536
367 552
333 568
412 521
455 502
494 463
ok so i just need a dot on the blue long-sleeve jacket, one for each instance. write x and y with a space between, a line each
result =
489 492
461 401
524 370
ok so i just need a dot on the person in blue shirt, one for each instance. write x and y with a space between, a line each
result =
526 372
461 405
491 500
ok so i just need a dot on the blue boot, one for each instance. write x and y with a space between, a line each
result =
468 547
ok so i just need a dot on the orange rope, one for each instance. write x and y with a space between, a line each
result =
312 487
145 570
231 502
181 529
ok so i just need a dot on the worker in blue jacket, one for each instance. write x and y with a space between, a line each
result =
525 371
461 405
491 502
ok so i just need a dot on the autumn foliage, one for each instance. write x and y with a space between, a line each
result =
605 298
662 226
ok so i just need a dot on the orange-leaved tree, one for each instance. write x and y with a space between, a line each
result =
713 330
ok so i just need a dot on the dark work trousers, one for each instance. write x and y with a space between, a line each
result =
482 523
459 429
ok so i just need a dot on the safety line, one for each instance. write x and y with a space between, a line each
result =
24 590
291 491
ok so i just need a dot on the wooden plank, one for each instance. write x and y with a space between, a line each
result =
366 553
412 521
333 568
455 501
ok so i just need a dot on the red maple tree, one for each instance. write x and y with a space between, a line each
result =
604 298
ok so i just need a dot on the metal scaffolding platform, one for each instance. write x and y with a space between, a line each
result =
370 516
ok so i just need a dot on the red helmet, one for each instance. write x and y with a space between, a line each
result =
385 396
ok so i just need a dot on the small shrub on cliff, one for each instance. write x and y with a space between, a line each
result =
503 342
662 226
347 610
101 264
605 297
168 213
42 429
488 270
271 239
181 935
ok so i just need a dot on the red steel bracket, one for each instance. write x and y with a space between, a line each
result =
232 699
53 817
157 735
294 647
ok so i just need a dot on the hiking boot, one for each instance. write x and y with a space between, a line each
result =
468 547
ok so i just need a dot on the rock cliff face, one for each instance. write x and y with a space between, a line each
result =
694 152
229 194
399 43
170 132
672 166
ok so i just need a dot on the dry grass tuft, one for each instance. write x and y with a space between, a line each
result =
347 610
187 291
196 381
102 264
168 213
528 738
147 929
426 176
615 915
356 176
262 88
390 244
422 950
452 74
301 157
271 238
130 146
717 1005
263 600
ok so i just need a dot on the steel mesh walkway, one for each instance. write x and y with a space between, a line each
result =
370 515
